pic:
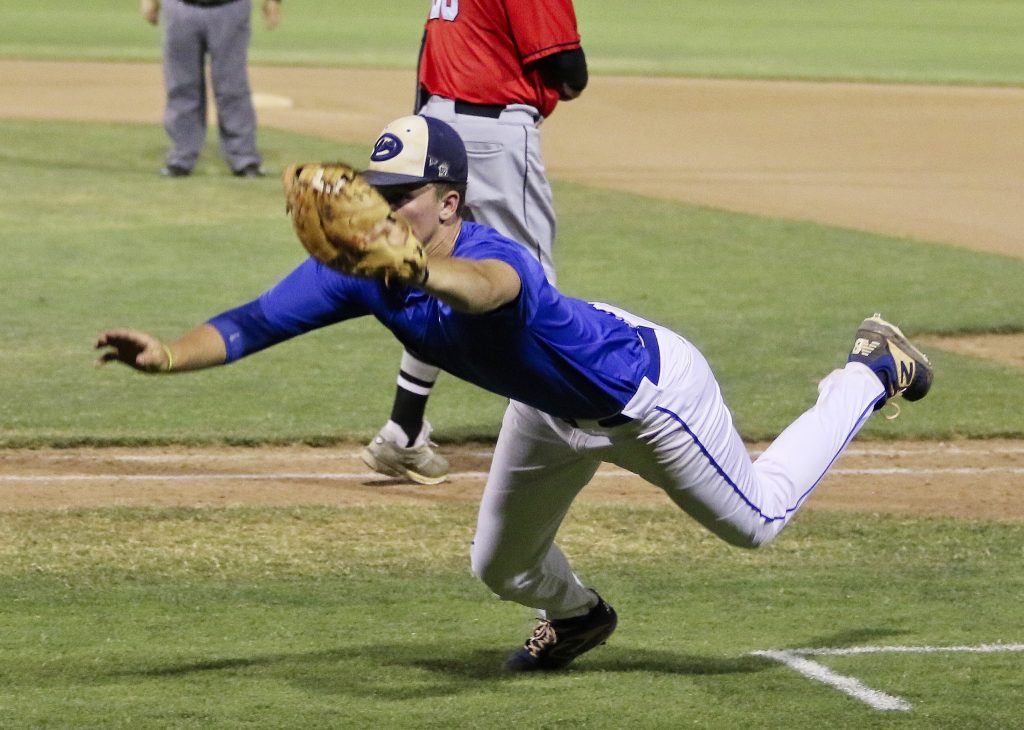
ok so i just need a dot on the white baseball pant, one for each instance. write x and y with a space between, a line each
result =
683 441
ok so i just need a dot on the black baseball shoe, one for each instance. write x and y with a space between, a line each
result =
175 171
902 368
555 643
252 170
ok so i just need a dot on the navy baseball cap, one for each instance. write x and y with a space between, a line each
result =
417 149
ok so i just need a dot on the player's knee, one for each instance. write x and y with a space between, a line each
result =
505 581
753 542
750 538
483 566
741 526
499 581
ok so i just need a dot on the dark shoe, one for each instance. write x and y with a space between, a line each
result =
902 368
252 170
175 171
557 642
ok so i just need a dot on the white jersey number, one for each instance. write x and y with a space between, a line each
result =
445 9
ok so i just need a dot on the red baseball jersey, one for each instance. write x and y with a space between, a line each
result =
480 51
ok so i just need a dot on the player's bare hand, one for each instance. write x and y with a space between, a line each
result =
271 13
150 10
135 349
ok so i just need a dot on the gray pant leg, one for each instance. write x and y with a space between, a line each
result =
534 477
184 48
508 185
229 35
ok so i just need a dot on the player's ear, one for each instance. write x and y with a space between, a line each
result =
451 201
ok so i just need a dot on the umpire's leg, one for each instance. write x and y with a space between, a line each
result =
184 49
229 33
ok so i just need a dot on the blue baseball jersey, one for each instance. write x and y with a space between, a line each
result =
558 354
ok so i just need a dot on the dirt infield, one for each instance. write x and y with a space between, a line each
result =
970 479
939 164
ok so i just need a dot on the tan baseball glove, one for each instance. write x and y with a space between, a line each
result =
346 224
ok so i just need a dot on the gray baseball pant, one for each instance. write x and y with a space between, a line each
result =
191 34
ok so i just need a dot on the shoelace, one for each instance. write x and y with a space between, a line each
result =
543 636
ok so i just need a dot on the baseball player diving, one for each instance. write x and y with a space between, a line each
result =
587 383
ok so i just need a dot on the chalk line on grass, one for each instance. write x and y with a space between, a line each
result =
796 659
849 685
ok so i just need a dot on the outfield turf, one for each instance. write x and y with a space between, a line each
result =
772 303
367 617
931 41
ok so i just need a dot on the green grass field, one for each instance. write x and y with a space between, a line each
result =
367 617
931 41
772 303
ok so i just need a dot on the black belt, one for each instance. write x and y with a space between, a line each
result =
650 343
207 3
492 111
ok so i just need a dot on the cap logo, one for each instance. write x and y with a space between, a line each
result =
417 149
387 148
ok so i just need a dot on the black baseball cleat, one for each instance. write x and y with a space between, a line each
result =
252 170
555 643
902 368
175 171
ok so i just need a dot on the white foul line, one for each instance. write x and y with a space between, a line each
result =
270 476
932 470
796 659
852 650
364 476
851 686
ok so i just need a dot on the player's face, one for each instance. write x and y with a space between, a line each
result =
419 205
400 195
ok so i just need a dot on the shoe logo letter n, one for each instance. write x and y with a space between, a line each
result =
907 368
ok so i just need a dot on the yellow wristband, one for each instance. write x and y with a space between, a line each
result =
170 358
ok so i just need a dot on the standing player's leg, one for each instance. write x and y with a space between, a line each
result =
402 447
508 186
184 59
229 34
508 190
